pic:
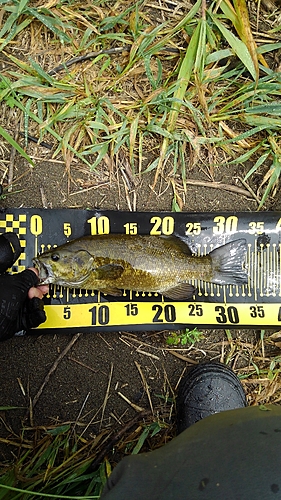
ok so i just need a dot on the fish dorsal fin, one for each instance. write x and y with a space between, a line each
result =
109 271
180 291
176 241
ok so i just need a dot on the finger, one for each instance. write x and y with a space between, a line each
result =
38 292
35 292
34 270
44 288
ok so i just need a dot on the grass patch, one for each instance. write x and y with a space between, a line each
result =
52 467
55 462
155 83
184 337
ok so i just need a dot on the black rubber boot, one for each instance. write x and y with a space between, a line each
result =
208 388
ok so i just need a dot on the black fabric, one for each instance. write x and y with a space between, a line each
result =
10 250
17 311
232 455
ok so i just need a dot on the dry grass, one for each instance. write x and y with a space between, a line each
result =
193 84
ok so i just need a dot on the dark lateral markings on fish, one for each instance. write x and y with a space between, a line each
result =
111 263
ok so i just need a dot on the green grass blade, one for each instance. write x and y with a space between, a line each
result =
261 121
5 408
14 31
239 48
268 47
246 156
141 441
184 75
50 22
46 495
258 163
9 25
15 145
274 173
273 108
21 6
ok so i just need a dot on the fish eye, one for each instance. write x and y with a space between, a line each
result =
55 257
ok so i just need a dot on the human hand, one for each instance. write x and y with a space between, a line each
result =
21 304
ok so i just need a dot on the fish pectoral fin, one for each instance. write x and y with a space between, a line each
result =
180 291
109 271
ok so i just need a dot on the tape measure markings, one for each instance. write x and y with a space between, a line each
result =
261 265
279 269
130 313
276 271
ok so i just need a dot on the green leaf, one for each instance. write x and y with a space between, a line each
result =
246 156
272 108
264 408
5 408
275 172
102 152
50 23
175 205
184 77
21 6
268 47
239 48
40 71
258 163
59 430
46 495
218 56
15 145
160 131
141 441
245 135
98 126
14 31
261 121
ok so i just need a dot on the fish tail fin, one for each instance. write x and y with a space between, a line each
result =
228 263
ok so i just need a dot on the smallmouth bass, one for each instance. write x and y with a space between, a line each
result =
111 263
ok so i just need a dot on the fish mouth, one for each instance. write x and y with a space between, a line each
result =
46 275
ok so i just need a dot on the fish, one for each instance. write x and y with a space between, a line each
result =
112 263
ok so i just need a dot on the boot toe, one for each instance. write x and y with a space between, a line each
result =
207 389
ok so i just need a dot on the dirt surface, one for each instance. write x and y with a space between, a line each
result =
88 383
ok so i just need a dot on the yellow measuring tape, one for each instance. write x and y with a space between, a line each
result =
116 314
